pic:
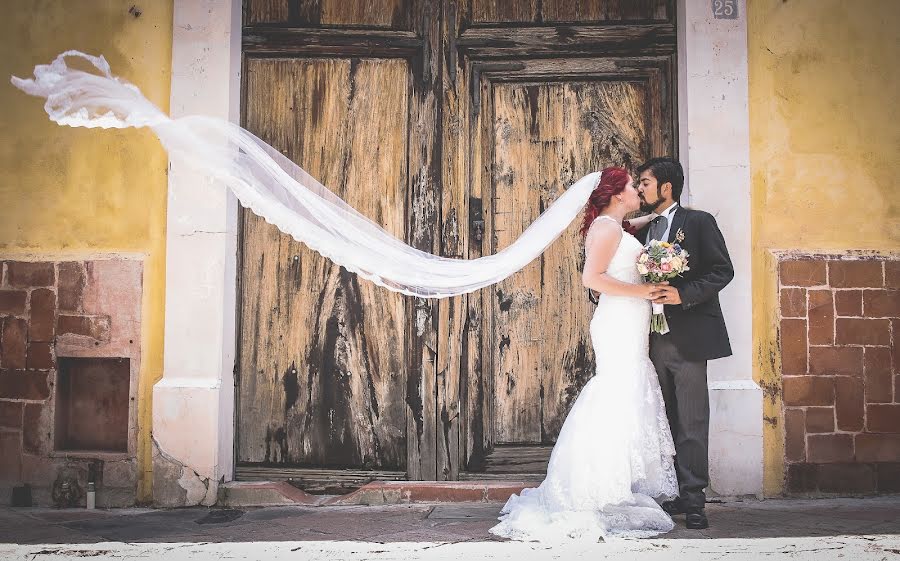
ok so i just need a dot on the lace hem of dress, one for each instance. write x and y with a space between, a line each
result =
600 485
522 519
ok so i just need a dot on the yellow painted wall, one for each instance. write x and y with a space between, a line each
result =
824 151
74 192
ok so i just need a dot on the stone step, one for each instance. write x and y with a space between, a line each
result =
274 493
397 492
238 494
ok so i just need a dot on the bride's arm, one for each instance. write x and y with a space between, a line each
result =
603 241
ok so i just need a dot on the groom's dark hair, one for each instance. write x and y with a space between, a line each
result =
665 170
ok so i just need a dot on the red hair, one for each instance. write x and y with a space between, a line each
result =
612 182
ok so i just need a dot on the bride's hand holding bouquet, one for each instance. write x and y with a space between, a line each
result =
659 262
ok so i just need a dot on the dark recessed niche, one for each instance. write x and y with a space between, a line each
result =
92 404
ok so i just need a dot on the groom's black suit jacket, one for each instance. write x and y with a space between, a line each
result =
696 325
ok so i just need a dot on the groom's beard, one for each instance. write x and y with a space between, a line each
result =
650 207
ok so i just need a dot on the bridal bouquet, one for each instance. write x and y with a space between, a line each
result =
659 262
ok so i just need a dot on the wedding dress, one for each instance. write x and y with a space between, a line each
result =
614 451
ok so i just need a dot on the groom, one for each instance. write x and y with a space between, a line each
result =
696 328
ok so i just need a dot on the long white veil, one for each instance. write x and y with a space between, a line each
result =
285 195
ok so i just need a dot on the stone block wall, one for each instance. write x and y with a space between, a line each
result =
53 309
839 328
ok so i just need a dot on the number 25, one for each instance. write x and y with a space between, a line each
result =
723 8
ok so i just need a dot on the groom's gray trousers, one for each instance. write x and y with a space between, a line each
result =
684 389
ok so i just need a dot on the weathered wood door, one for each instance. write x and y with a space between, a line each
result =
453 124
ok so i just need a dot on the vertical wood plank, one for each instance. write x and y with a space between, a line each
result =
515 300
461 180
425 193
323 352
481 320
265 11
371 13
560 10
659 10
452 347
566 357
658 128
504 11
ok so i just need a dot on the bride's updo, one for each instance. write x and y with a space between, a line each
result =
612 182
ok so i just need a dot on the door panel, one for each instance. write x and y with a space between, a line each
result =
536 126
546 136
323 355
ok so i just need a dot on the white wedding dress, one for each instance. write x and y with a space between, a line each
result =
614 453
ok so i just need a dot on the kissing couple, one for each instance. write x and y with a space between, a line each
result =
638 433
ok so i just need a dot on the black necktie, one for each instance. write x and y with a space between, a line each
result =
658 228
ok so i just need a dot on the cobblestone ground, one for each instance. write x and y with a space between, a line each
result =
846 529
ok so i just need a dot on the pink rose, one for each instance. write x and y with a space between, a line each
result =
666 268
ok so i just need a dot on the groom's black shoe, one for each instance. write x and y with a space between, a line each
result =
696 519
674 507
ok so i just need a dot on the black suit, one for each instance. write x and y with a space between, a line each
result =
696 325
697 333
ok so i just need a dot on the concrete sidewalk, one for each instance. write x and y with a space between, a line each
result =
821 529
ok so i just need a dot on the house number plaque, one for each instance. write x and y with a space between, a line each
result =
725 9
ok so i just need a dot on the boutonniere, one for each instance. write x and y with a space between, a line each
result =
679 235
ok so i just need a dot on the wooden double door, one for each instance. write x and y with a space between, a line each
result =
453 124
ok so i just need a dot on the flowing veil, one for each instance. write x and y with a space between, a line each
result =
285 195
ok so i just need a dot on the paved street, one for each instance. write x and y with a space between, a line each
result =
846 529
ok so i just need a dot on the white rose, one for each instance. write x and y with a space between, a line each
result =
676 263
643 258
642 269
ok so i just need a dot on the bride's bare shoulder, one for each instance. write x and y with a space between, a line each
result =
602 232
605 225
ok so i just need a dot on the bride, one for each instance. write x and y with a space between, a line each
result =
614 452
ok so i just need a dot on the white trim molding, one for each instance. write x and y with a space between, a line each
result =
714 136
193 404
